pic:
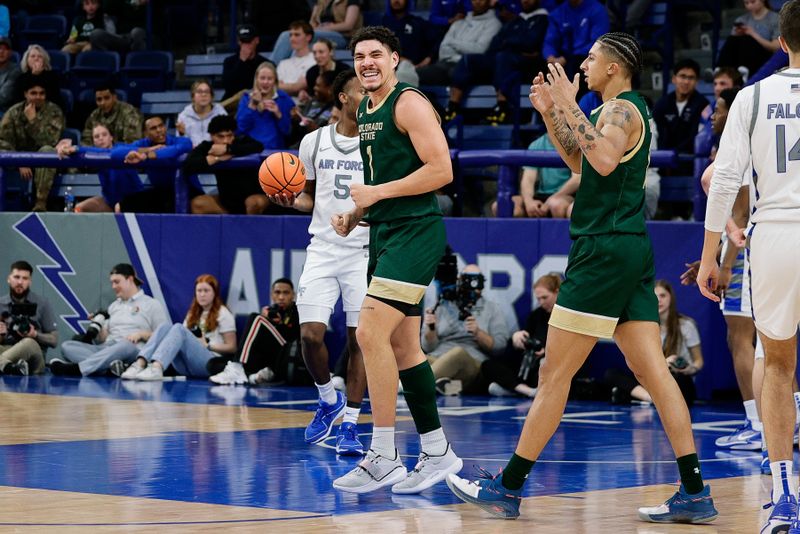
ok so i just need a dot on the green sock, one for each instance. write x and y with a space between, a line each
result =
516 472
419 389
689 468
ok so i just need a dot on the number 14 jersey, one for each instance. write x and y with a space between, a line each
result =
334 162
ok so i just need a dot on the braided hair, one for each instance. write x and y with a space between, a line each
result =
624 48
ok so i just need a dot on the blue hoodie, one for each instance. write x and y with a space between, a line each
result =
573 30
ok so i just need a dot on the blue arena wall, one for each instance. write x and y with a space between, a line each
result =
73 254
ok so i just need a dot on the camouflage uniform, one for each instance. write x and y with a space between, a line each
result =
41 134
124 122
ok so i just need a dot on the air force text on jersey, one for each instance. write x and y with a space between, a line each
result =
340 165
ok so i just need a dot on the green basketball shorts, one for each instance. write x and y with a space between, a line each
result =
609 279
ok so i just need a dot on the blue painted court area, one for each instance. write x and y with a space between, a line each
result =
598 446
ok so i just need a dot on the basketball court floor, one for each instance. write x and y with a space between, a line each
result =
103 455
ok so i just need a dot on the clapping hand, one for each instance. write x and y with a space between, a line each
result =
563 91
540 95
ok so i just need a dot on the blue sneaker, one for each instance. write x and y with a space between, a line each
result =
740 437
487 493
765 468
683 508
795 529
783 515
347 442
748 441
320 427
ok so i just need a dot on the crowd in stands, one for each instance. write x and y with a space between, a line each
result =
277 87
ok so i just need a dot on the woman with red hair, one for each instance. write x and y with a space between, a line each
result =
208 331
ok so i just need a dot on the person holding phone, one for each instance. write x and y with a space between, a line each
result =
265 112
753 39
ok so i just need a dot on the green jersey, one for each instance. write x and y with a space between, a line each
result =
388 156
614 204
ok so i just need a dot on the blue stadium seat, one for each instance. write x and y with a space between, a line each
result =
68 100
204 65
167 103
146 71
92 68
49 31
87 95
73 134
59 61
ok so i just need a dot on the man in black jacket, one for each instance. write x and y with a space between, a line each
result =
514 57
238 189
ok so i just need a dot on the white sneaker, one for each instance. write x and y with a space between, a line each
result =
232 374
371 473
262 377
151 373
496 390
132 372
429 470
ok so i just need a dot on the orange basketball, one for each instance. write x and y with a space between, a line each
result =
282 172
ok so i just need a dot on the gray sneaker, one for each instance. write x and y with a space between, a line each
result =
21 368
117 367
429 470
371 473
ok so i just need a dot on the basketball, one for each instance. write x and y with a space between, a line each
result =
282 172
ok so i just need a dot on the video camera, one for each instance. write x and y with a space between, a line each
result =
19 319
463 289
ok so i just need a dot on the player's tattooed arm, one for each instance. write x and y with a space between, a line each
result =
563 139
603 148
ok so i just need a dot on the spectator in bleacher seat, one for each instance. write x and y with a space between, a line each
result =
264 350
323 62
681 343
115 184
445 12
518 373
537 184
417 36
122 119
193 121
33 125
271 18
574 26
35 64
753 39
129 34
626 15
84 24
237 189
22 352
470 35
316 113
678 114
514 56
208 331
156 144
121 333
265 112
292 70
461 334
335 20
9 76
238 69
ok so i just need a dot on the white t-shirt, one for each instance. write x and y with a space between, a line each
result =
225 323
291 69
771 137
691 338
138 313
334 162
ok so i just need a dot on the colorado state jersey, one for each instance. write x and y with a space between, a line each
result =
614 204
764 120
334 161
388 156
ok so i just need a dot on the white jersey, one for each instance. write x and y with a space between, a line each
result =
334 161
764 121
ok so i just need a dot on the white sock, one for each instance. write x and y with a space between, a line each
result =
782 480
797 404
383 441
758 426
750 410
433 443
327 393
351 415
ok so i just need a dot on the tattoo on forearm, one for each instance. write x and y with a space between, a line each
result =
563 134
587 134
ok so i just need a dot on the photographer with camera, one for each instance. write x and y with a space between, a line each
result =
269 344
681 343
112 342
519 373
462 331
27 325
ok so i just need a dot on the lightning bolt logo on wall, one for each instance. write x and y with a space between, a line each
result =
36 233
